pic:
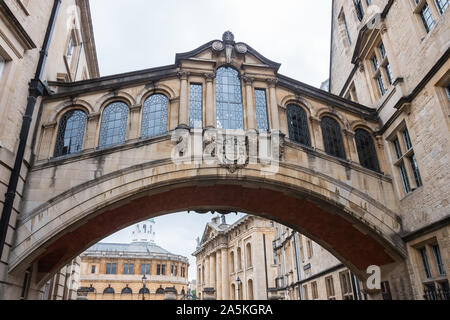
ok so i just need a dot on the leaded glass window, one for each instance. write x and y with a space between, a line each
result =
415 169
404 176
427 18
109 290
195 106
113 128
229 99
381 84
441 5
366 150
127 290
298 125
332 137
389 73
359 9
262 121
70 133
154 116
144 291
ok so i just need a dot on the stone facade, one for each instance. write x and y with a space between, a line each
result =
342 157
23 25
64 284
413 68
112 271
306 271
227 253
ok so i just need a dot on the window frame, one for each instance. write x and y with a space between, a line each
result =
333 142
103 136
193 105
301 136
78 133
154 100
229 107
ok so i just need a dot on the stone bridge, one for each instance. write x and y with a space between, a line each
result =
220 130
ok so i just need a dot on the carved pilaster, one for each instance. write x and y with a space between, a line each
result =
91 129
183 75
209 77
47 136
183 114
135 112
272 82
248 80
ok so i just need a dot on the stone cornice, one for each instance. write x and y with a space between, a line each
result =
17 27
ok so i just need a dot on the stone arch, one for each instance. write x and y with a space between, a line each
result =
362 230
106 99
359 124
343 122
154 89
299 101
68 105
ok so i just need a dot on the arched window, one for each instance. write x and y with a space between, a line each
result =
232 261
250 290
127 290
298 125
229 99
108 290
233 292
248 248
113 128
160 290
70 133
332 137
154 116
366 150
239 258
144 291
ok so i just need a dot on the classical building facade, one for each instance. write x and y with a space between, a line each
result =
234 261
306 271
362 170
113 271
34 32
393 57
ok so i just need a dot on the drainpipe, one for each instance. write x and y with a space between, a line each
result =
36 89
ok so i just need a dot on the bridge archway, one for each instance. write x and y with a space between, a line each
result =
355 228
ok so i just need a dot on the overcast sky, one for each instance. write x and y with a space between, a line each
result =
139 34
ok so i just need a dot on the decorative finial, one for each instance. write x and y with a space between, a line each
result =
228 37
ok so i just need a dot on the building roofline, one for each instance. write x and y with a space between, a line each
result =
88 38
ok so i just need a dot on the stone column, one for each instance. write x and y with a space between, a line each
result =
274 116
219 275
91 130
135 113
351 152
225 275
46 143
316 132
183 120
210 109
379 144
250 107
207 271
212 268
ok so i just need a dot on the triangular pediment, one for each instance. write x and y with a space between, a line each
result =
208 233
228 50
366 37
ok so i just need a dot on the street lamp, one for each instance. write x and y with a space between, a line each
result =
239 287
143 286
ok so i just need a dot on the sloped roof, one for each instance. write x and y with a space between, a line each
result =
136 247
